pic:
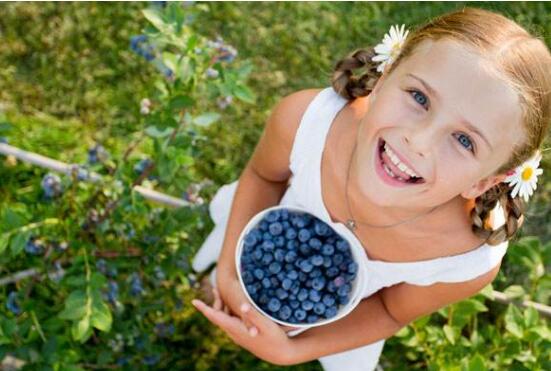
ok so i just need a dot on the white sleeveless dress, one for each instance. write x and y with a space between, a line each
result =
304 191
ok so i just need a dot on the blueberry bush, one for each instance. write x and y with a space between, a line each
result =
93 276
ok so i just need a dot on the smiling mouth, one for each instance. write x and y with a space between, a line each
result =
411 180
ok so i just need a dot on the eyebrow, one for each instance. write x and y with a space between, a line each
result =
463 121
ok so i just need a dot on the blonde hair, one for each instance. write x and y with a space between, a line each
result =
523 60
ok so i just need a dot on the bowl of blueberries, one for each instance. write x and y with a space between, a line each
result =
297 270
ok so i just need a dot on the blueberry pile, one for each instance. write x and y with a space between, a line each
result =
296 268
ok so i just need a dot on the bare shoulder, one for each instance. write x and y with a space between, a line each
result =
405 302
271 157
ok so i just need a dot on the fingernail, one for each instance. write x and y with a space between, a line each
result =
245 307
253 331
195 303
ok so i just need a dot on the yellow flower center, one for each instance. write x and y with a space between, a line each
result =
527 174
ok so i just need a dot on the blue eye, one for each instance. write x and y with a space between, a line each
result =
419 97
466 140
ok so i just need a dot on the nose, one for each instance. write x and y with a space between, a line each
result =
420 139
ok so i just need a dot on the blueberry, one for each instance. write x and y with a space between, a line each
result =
263 225
328 300
290 234
285 312
275 282
287 283
352 267
279 241
308 283
338 259
343 300
274 267
292 245
327 249
300 314
294 304
274 304
292 274
281 294
266 283
281 275
304 235
319 308
327 262
275 228
307 305
258 254
332 272
315 243
264 299
344 290
258 273
315 273
331 312
284 215
251 289
342 245
318 283
295 288
302 277
331 286
305 250
302 294
316 260
267 258
11 303
272 216
279 255
250 240
291 256
339 281
306 266
247 277
314 295
312 318
321 228
268 245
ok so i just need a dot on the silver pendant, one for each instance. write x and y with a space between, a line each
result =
351 224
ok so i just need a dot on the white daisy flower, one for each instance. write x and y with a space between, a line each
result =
389 49
525 177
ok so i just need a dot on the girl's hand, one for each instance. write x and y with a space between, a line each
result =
267 340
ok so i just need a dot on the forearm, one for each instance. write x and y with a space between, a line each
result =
253 194
366 324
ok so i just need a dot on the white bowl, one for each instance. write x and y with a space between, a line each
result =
357 286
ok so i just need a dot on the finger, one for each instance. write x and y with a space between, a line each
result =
232 325
257 320
218 303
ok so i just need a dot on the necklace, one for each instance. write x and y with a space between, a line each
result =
351 223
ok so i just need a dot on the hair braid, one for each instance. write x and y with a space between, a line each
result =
513 207
349 86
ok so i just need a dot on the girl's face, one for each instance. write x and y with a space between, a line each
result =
427 126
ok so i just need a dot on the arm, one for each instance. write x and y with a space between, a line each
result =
261 185
381 315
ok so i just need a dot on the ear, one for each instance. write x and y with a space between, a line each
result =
482 186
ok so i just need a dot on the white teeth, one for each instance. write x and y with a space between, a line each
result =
396 161
389 172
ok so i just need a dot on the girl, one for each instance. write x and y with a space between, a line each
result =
411 163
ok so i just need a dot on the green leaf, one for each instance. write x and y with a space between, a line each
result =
206 118
154 17
244 93
477 363
542 332
154 132
97 280
514 291
488 291
4 241
80 328
75 306
101 315
181 101
450 333
514 321
12 220
531 317
18 242
72 313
